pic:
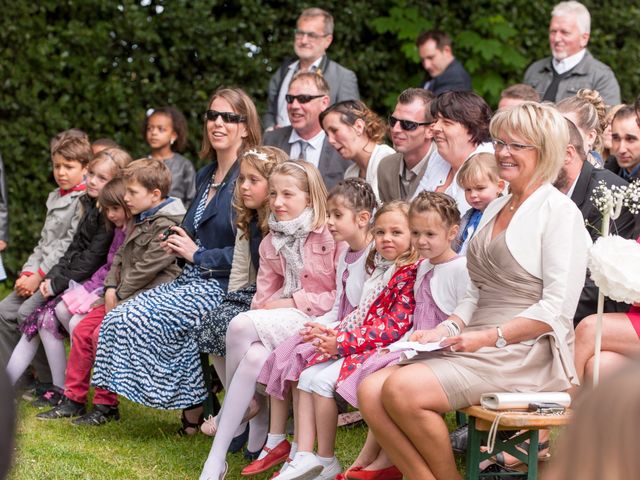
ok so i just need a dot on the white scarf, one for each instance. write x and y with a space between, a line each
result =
288 237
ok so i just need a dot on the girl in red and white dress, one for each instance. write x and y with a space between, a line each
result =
383 315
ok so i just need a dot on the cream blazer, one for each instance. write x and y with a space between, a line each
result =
547 237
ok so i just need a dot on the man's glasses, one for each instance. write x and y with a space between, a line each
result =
311 35
408 125
301 98
227 117
511 147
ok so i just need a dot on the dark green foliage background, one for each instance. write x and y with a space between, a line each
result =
99 64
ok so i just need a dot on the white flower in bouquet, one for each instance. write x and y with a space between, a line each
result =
615 268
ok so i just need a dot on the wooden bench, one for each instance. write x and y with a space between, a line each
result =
480 421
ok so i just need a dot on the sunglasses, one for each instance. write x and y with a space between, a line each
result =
227 117
407 125
301 98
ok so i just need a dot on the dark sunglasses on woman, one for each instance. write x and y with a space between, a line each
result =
227 117
408 125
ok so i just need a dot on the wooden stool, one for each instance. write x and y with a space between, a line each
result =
480 420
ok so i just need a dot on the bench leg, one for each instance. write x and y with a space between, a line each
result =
473 451
533 455
211 406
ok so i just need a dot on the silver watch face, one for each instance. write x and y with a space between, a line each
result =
501 342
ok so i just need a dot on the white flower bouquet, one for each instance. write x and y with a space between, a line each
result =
614 263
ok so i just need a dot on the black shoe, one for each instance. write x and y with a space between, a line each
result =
249 455
50 398
100 415
238 442
35 389
66 409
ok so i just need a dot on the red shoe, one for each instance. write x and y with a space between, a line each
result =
275 455
389 473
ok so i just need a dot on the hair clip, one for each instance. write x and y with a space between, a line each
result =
259 155
150 112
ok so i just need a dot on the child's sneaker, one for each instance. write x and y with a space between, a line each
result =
329 472
52 397
65 409
100 415
305 466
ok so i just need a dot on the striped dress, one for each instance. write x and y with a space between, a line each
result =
147 352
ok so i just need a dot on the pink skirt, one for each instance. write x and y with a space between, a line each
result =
634 318
285 364
348 388
78 300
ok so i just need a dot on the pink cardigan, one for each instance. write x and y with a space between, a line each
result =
318 279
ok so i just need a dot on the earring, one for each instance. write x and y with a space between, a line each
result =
173 141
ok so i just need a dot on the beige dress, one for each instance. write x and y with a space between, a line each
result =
506 290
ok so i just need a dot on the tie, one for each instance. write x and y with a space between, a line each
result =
303 149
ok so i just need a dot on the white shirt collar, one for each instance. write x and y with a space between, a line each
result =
296 65
562 66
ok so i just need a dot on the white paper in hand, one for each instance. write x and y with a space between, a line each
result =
416 346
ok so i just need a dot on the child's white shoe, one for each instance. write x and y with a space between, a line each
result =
330 471
304 466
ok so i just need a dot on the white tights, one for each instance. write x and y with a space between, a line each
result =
26 350
245 357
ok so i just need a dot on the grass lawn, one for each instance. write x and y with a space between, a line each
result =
142 445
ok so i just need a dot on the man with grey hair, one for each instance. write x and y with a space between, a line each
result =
571 66
312 37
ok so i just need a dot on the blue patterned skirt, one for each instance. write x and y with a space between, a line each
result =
147 351
212 332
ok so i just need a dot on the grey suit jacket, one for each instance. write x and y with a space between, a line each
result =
589 73
331 165
343 85
389 178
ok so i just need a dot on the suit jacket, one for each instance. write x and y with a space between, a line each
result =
389 178
454 78
589 73
623 226
343 85
331 165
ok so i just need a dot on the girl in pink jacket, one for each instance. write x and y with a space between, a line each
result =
296 282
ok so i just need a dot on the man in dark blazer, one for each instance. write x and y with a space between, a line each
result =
445 72
399 174
578 179
313 35
625 144
308 96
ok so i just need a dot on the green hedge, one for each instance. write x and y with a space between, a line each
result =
99 65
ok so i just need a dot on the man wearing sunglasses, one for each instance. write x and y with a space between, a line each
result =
312 37
307 97
399 174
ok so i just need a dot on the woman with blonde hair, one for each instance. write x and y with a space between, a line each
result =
531 243
587 110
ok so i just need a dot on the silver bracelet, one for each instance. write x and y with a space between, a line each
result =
452 328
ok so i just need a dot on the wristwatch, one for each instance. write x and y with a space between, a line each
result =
501 342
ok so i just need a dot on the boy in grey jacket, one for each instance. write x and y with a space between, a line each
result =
70 155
